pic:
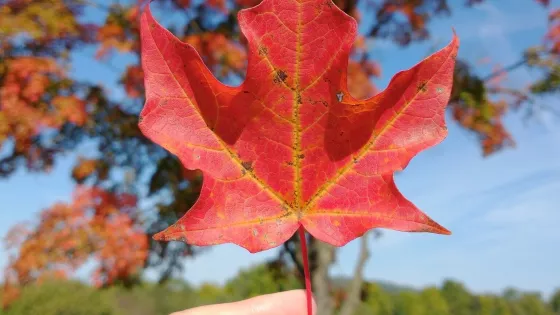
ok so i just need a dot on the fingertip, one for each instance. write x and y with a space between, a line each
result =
287 302
297 299
283 303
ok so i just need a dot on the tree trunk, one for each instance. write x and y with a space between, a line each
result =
321 257
324 254
354 289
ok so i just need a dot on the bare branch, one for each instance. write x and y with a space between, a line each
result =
320 277
382 18
294 257
507 69
355 288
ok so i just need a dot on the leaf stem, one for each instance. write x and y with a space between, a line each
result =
305 259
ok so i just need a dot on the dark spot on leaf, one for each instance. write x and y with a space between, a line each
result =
301 156
298 99
263 51
422 87
325 103
280 76
290 163
246 92
248 165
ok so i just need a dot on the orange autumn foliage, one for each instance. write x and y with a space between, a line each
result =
218 50
118 32
29 104
84 168
553 35
133 81
97 225
42 20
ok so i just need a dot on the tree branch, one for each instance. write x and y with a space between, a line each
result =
320 277
382 17
382 20
355 288
507 69
294 258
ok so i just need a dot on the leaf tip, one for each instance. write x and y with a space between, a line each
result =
455 41
438 229
434 227
445 231
144 7
160 237
172 233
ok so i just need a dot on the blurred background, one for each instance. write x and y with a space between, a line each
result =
82 191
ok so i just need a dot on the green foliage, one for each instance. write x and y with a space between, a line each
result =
61 298
490 305
210 293
261 279
484 305
434 301
555 302
74 298
409 302
531 303
550 83
458 298
150 299
378 300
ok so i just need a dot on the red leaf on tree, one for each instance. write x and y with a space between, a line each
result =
290 146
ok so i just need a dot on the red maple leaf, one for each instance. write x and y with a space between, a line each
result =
290 146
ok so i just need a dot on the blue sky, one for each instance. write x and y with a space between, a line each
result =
503 210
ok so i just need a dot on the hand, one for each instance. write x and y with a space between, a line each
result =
284 303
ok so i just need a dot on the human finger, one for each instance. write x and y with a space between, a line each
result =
283 303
